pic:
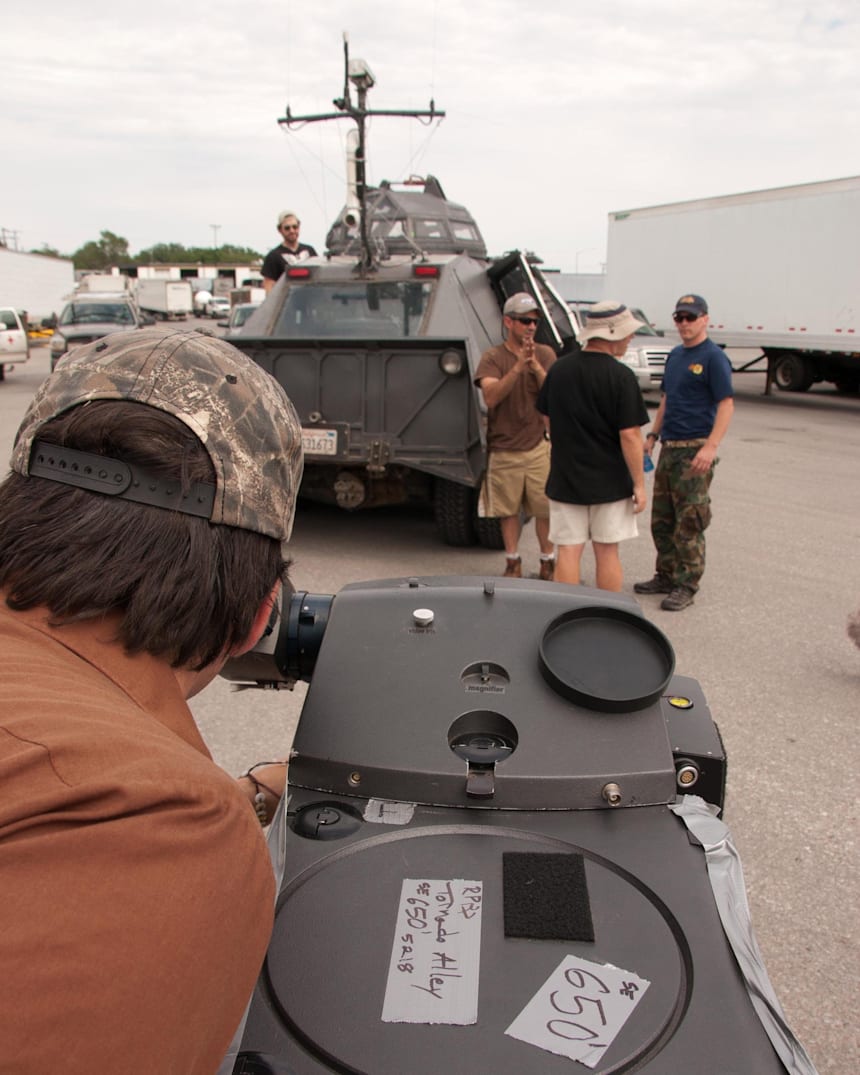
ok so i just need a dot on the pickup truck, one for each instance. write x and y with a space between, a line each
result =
14 342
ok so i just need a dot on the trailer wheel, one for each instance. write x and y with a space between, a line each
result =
454 511
2 371
792 373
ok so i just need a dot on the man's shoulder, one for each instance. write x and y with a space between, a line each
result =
713 350
494 357
496 351
705 349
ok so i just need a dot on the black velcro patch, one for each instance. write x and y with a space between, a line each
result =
546 896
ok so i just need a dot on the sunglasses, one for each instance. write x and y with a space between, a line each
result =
684 317
289 227
527 320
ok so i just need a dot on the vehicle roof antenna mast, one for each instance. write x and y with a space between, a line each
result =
359 74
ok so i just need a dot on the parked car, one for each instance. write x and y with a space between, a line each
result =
89 317
238 316
14 342
646 353
218 306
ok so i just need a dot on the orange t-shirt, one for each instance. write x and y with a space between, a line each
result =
135 883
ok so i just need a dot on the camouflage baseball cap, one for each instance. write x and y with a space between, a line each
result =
240 413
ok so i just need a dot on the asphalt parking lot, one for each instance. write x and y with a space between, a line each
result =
766 639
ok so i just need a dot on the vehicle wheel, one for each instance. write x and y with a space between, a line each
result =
489 533
454 511
2 371
792 373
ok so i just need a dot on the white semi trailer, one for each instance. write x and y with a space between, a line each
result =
35 283
170 300
780 270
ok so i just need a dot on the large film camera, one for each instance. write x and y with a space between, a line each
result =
484 869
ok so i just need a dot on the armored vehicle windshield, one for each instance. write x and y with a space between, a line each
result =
339 310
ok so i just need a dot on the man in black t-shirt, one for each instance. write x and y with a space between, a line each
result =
289 251
594 410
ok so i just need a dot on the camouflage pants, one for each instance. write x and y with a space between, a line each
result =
680 514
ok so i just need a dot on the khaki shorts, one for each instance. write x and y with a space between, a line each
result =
515 482
574 524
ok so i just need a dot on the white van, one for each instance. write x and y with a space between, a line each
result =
14 342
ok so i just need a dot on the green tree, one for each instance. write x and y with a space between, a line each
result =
165 254
47 251
109 250
176 254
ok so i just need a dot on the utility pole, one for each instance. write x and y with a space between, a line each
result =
359 74
215 229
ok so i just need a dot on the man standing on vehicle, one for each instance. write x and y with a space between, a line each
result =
287 253
696 407
142 533
595 411
510 377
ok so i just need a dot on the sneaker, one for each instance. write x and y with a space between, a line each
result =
659 584
513 568
547 570
679 598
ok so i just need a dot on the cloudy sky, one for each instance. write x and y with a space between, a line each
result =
158 120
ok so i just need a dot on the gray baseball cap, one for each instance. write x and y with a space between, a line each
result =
520 303
242 416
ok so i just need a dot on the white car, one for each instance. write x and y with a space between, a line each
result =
14 342
238 316
218 306
646 353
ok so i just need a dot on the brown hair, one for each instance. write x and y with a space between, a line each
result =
186 590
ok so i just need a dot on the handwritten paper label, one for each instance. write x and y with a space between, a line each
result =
436 954
382 812
579 1010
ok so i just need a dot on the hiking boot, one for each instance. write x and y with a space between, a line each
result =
659 584
547 570
513 568
679 598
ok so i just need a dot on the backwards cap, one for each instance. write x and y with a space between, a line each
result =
240 413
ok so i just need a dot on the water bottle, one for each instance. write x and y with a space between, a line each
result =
649 464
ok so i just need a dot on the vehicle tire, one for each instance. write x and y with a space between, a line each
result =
489 533
2 371
792 373
454 511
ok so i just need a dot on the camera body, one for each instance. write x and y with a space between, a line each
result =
506 751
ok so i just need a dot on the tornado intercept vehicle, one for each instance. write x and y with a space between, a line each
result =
377 343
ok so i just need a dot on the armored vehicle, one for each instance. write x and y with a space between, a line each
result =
377 343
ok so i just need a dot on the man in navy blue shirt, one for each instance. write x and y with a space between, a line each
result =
695 409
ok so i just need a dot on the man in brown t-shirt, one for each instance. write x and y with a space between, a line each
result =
142 530
510 377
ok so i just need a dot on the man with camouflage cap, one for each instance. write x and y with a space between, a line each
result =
142 532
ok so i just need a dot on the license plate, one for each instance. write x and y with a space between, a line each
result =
319 441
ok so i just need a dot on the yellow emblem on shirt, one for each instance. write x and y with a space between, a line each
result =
695 368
